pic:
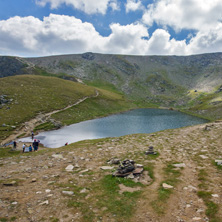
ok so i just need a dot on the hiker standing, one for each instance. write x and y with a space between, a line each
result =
32 135
35 145
23 148
14 145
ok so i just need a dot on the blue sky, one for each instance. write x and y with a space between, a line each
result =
135 27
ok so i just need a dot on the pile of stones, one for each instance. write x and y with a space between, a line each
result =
150 151
128 167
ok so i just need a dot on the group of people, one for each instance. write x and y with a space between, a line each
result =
30 148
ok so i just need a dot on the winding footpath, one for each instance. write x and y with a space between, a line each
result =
27 127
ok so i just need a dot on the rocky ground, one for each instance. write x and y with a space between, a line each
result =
68 184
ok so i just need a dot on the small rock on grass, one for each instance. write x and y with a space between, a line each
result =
167 186
106 168
44 203
57 156
12 183
215 195
203 157
179 165
218 162
69 193
69 168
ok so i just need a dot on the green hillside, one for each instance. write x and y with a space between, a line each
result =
25 96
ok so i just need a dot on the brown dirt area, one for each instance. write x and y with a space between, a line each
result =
40 177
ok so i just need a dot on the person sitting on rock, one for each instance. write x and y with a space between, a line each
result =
30 148
26 150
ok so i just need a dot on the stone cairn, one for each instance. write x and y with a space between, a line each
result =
128 167
150 151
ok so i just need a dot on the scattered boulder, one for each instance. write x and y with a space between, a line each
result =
84 171
150 151
203 157
167 186
113 161
30 210
14 203
215 195
218 162
106 168
34 180
69 193
84 190
179 165
69 168
57 156
11 183
44 203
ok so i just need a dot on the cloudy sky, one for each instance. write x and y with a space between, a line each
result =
135 27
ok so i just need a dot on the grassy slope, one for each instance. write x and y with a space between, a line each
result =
106 103
32 95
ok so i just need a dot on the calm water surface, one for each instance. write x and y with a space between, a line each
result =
131 122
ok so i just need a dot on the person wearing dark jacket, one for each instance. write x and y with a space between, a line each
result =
35 145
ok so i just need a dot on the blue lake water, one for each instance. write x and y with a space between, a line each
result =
130 122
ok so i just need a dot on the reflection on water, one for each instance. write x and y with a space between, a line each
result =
131 122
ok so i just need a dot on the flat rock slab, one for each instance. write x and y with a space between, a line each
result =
179 165
84 171
218 162
44 203
106 168
204 157
117 174
57 156
215 195
69 193
69 168
167 186
12 183
137 171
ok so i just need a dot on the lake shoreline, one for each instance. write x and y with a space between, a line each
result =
143 120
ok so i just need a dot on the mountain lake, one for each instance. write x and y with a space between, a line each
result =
130 122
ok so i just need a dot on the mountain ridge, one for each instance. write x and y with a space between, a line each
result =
191 83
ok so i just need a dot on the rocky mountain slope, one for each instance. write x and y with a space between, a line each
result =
192 83
159 75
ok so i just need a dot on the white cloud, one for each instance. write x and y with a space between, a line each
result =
55 34
184 14
126 39
133 5
60 34
161 44
87 6
207 41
